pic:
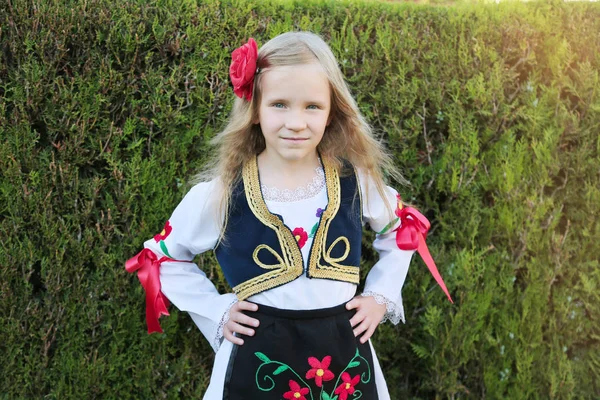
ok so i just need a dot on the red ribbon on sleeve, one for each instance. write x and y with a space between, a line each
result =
147 265
411 236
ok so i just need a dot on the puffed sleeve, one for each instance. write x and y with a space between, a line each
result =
165 261
385 280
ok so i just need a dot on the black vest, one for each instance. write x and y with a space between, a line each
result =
258 252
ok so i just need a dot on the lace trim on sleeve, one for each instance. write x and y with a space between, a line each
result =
393 314
224 319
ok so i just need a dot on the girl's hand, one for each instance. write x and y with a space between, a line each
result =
368 314
239 322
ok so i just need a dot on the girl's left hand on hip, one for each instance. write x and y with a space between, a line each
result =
368 316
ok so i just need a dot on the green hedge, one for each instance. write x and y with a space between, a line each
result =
491 111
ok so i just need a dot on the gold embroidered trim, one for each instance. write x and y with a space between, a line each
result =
334 270
281 264
290 264
360 196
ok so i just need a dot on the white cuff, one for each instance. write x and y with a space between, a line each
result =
394 312
224 319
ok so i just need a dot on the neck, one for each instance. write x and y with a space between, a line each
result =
286 174
285 167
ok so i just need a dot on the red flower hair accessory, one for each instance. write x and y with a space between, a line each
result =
243 69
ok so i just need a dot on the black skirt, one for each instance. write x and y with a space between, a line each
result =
301 355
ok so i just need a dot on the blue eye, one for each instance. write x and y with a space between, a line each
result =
313 107
278 105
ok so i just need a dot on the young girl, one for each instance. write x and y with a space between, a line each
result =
297 175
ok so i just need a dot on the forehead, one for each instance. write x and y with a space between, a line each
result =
305 81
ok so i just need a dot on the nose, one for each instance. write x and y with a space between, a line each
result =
295 122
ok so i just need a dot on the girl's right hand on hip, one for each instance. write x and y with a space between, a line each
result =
239 322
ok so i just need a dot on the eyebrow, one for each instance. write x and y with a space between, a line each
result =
282 100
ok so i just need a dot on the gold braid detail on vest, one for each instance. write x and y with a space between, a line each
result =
290 264
319 252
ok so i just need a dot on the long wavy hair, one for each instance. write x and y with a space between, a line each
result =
347 137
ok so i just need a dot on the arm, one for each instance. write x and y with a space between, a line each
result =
167 272
398 237
381 299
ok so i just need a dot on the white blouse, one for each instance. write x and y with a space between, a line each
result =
194 228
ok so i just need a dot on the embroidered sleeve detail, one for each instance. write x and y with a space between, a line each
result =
393 314
224 319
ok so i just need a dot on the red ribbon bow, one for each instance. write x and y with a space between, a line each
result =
411 236
148 271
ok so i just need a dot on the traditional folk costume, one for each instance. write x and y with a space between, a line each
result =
296 255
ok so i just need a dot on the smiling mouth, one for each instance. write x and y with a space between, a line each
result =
295 139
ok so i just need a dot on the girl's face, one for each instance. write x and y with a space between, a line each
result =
294 111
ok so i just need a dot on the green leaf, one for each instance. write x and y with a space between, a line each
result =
325 396
314 230
354 364
163 247
136 144
262 357
280 369
388 226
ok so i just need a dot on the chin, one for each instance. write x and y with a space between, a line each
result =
295 154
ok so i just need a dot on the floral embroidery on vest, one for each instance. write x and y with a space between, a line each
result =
320 372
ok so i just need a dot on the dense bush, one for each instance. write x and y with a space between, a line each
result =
492 112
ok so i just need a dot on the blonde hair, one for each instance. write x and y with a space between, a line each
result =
348 136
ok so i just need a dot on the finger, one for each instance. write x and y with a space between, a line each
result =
356 319
233 339
246 305
244 319
369 333
235 327
361 328
352 304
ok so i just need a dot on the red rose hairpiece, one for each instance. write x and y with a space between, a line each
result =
243 69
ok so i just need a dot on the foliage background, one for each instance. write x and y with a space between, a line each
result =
492 112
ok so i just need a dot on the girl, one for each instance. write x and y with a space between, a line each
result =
297 175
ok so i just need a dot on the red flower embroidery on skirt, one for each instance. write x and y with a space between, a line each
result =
165 232
301 236
296 391
320 370
347 387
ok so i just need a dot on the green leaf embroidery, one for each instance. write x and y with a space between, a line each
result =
263 357
354 364
280 369
325 396
388 226
313 230
163 247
